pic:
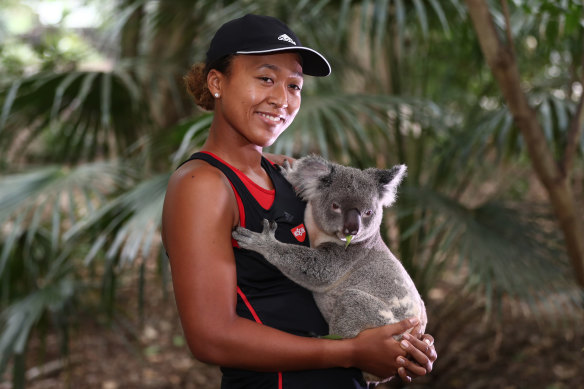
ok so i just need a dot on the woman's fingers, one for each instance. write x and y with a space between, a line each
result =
421 350
412 368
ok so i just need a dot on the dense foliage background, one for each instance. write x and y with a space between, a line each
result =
481 99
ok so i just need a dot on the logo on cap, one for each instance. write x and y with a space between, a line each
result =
286 38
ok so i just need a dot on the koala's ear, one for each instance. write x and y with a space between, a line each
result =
309 174
388 181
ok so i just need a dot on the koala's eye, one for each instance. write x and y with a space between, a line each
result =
336 207
368 213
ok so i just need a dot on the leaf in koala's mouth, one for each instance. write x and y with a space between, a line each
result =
348 240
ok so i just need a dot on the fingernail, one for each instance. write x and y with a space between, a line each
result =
428 342
401 361
413 321
404 344
406 336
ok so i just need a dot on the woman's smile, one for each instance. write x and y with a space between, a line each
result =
272 118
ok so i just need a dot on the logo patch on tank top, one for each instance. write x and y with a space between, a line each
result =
299 233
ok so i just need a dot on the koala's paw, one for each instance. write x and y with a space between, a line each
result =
286 168
256 241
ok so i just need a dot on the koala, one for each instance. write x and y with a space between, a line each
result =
356 281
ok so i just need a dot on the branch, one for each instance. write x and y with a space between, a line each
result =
501 60
508 25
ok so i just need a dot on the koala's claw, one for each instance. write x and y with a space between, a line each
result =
286 168
269 227
256 241
243 236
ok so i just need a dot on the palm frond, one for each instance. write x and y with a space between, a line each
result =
507 250
349 125
194 136
34 200
18 319
548 19
375 17
496 127
78 112
126 226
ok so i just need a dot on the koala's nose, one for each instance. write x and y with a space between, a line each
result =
352 222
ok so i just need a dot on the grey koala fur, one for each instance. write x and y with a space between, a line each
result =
356 286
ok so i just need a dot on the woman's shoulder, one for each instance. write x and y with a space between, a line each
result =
196 184
197 191
196 174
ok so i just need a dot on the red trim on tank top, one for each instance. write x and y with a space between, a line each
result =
241 211
265 197
248 305
258 320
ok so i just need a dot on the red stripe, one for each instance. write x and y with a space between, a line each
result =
248 305
257 319
239 207
241 211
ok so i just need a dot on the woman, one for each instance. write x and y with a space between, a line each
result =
237 311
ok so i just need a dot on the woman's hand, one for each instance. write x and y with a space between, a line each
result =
422 356
377 352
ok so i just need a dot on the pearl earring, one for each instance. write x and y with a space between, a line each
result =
216 95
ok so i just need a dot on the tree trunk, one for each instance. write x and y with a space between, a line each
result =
169 52
555 178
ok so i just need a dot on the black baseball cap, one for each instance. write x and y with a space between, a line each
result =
255 34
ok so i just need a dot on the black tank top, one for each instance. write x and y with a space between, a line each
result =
266 296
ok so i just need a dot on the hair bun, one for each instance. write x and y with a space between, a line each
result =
196 86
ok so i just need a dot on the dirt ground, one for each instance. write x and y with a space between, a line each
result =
517 354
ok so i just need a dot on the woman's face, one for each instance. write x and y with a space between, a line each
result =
260 96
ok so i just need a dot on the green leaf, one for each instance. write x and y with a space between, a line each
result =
8 102
20 317
348 240
422 17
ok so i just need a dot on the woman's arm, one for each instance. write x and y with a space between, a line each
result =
199 214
